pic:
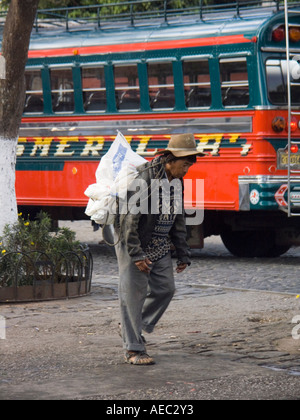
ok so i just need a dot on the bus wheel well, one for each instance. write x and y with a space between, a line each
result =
253 243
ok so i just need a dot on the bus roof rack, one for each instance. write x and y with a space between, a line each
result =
145 12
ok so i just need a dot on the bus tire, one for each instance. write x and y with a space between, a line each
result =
251 244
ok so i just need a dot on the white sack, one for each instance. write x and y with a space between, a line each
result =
115 172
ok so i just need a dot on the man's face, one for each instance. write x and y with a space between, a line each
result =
178 168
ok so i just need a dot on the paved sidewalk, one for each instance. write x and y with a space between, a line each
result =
210 344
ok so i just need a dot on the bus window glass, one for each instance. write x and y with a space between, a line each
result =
93 89
127 90
234 82
196 84
62 90
34 91
277 81
161 85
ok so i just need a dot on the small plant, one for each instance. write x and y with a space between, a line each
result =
30 252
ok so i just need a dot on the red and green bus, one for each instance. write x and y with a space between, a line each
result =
219 72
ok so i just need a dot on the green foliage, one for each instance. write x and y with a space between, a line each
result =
120 8
29 250
172 4
27 235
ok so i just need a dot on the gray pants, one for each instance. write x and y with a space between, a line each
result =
143 297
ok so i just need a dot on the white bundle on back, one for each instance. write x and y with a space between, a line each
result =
115 172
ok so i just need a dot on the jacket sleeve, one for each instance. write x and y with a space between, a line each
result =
131 237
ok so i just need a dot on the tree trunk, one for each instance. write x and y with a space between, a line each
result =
15 44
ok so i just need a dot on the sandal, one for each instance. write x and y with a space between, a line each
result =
138 358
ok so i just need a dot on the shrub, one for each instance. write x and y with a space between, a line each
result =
31 252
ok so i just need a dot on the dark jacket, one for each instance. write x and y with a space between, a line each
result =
135 230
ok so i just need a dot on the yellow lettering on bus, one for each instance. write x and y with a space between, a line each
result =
214 147
42 144
128 139
233 138
63 144
21 147
141 149
92 148
245 149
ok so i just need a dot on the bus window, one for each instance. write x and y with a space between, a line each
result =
93 88
277 80
196 80
161 85
34 91
62 90
127 89
234 82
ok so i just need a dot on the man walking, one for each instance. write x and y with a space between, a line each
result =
146 284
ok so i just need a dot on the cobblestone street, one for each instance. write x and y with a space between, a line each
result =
228 334
153 124
212 266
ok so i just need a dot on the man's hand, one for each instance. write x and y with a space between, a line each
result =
143 265
180 267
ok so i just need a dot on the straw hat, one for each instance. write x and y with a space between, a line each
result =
181 145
